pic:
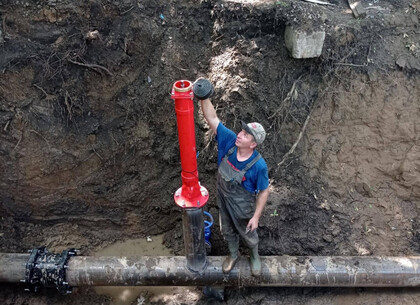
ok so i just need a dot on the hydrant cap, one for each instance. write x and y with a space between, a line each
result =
203 89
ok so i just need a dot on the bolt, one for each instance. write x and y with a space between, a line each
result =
183 203
198 202
23 281
65 266
68 291
27 289
65 283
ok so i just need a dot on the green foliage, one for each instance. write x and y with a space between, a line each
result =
281 3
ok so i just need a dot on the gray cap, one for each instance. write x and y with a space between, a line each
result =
256 130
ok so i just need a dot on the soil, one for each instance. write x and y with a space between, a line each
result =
89 152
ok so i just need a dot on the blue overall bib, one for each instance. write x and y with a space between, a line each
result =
236 204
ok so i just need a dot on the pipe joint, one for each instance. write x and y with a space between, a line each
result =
45 269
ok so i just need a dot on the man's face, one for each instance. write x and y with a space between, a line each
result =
245 140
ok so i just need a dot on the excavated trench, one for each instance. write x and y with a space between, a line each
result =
88 141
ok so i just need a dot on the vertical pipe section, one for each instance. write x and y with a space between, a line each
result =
191 197
193 227
184 108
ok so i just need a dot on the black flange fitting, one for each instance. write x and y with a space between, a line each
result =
45 269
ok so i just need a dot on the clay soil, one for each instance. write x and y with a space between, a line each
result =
88 140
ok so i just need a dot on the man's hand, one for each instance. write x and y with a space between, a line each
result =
252 224
261 201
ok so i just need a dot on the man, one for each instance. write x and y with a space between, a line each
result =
242 182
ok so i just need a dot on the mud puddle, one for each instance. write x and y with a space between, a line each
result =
151 246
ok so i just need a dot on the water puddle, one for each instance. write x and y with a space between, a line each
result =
151 246
138 295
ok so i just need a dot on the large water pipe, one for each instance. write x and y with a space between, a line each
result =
307 271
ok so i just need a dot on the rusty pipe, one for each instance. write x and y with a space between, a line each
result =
308 271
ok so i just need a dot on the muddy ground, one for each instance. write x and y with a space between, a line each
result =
88 139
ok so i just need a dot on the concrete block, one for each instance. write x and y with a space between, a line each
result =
357 8
304 44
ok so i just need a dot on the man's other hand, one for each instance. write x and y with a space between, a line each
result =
252 224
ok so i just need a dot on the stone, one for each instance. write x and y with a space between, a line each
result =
363 189
336 231
327 238
357 8
302 43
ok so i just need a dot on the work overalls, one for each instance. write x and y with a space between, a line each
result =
236 204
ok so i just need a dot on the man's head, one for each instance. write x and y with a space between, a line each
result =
251 135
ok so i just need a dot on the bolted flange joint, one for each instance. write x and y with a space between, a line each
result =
45 269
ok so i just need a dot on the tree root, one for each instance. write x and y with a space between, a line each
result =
296 143
94 67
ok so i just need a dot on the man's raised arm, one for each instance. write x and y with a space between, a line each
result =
210 114
203 90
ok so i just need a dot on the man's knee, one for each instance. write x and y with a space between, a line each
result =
231 238
252 240
228 232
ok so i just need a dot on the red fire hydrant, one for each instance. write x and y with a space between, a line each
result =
191 194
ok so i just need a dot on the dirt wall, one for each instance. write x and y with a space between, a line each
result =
88 138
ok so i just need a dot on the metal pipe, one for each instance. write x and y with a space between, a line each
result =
191 194
13 267
193 228
315 271
191 197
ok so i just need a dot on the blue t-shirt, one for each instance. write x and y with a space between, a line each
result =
256 178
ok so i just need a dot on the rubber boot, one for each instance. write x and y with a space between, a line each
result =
255 261
232 258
